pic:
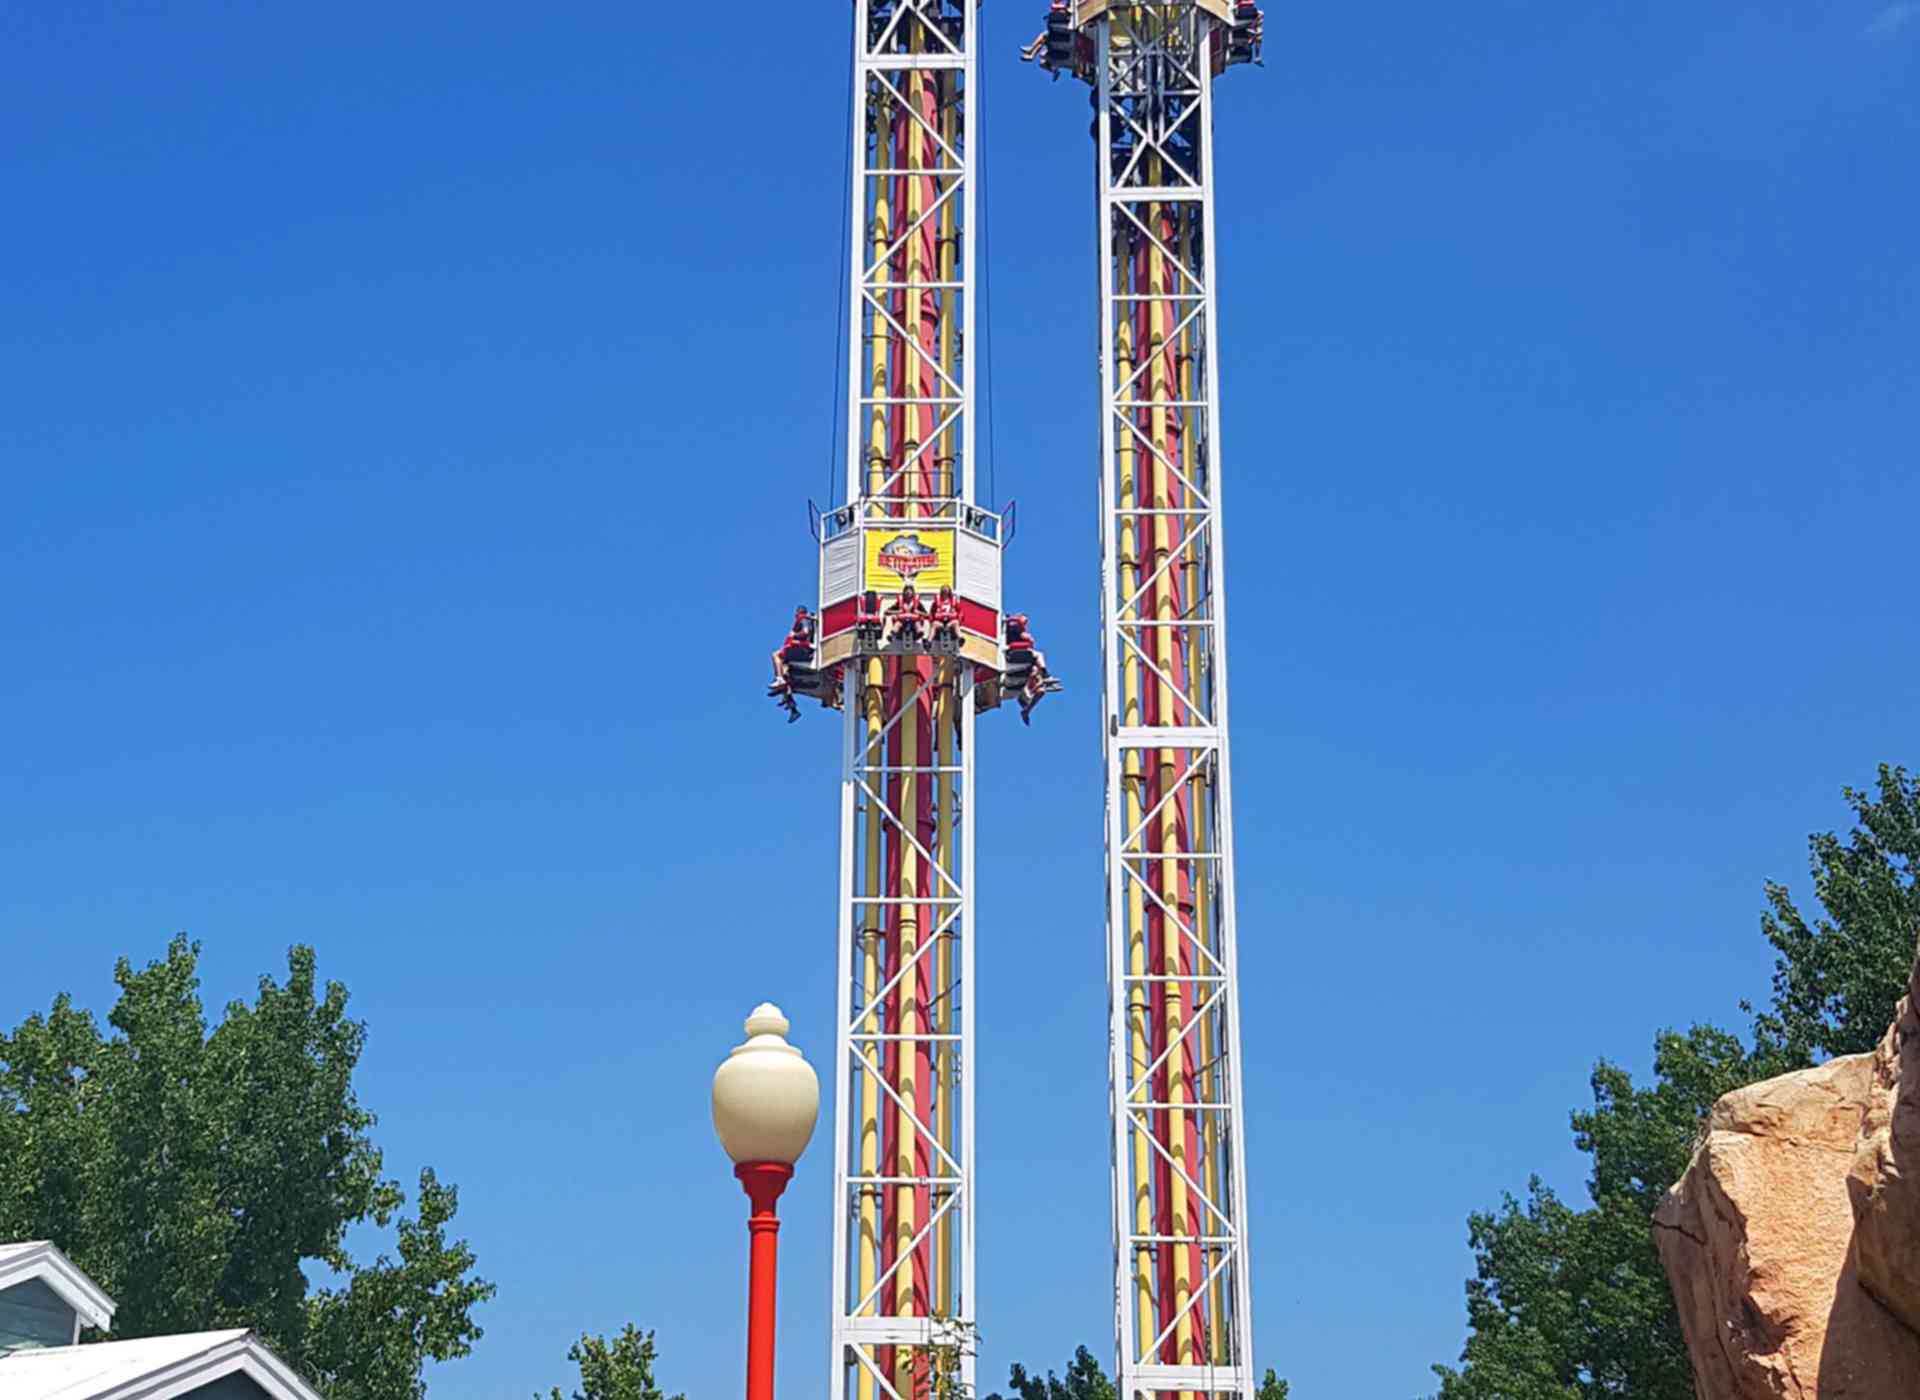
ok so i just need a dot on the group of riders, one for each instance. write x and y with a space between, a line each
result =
915 626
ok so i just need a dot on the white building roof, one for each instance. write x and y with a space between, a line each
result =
31 1259
152 1368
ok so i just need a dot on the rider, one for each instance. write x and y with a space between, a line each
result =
833 688
798 647
905 614
1023 655
946 615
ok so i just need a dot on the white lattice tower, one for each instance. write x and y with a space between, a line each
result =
903 1166
1183 1319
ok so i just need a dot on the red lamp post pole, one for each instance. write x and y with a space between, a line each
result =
764 1181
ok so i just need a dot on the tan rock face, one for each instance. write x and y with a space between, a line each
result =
1781 1295
1884 1181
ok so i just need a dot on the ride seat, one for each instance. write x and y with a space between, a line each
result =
867 620
1060 37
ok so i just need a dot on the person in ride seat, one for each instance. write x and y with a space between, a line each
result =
798 647
1020 652
1245 38
945 615
833 689
1026 665
906 615
1055 42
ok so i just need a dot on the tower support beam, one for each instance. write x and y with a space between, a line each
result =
903 1206
1183 1322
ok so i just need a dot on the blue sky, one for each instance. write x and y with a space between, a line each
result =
408 415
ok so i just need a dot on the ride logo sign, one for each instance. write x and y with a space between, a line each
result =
921 557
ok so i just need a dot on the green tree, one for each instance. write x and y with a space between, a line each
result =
1571 1303
198 1175
1085 1380
1836 981
618 1370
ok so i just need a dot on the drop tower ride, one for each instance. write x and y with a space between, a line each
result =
1183 1319
911 643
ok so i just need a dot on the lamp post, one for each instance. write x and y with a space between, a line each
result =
765 1100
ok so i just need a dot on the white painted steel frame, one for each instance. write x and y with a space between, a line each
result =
870 64
1176 38
856 1338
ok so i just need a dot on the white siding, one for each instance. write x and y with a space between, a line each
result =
977 570
840 568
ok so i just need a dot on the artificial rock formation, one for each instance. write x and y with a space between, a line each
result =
1793 1241
1884 1182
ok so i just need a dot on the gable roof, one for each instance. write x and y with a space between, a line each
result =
41 1259
151 1368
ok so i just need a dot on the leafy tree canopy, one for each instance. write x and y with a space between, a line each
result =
1085 1380
618 1370
198 1175
1836 981
1571 1304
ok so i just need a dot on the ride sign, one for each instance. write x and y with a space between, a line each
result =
921 557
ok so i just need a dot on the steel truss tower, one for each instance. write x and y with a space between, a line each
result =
1183 1319
903 1106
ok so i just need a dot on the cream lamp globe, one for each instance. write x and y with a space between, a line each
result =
765 1095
